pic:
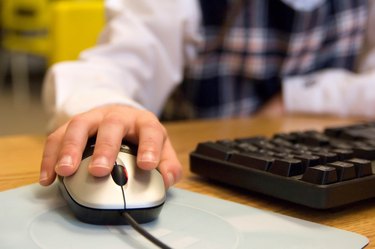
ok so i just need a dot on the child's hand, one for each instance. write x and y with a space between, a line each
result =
64 147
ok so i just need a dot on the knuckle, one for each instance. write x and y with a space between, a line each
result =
150 121
148 144
52 138
105 148
154 125
69 146
78 119
113 118
164 131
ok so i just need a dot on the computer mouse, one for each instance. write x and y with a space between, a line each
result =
103 200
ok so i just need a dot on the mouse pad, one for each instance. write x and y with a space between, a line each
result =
37 217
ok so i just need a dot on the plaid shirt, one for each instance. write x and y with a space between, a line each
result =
268 40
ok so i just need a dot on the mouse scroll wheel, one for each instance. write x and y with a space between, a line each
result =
119 174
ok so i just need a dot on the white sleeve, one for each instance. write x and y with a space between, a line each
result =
138 61
338 91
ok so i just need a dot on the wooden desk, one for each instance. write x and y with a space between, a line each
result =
20 160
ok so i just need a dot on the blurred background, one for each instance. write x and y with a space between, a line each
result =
34 34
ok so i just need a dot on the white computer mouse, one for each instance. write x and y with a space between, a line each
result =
103 200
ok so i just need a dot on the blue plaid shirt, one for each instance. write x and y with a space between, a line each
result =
267 41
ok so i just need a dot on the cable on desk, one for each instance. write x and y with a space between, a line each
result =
143 232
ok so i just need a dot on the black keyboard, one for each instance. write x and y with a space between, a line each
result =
319 169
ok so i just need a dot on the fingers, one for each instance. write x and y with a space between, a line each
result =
49 158
64 147
108 141
73 144
152 136
169 166
155 150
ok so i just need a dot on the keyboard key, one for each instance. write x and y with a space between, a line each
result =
214 150
340 144
333 131
359 133
343 154
308 160
227 142
287 136
362 167
320 175
245 147
314 138
345 171
250 140
252 161
287 167
326 157
281 142
365 152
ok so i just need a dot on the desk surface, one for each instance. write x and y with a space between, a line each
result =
20 161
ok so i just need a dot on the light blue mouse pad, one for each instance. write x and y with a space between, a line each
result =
37 217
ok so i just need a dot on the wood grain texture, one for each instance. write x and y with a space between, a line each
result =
20 158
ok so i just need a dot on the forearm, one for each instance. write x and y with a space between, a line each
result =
139 60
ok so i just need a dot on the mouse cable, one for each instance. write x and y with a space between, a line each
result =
143 232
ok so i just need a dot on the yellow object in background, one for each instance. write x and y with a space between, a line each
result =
25 25
55 29
75 26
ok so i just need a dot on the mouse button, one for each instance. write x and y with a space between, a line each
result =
73 182
145 190
93 192
129 162
98 193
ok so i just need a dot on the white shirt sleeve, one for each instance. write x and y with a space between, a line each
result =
138 61
338 91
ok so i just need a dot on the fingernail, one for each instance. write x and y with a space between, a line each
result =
170 178
100 162
43 176
99 166
66 162
148 156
